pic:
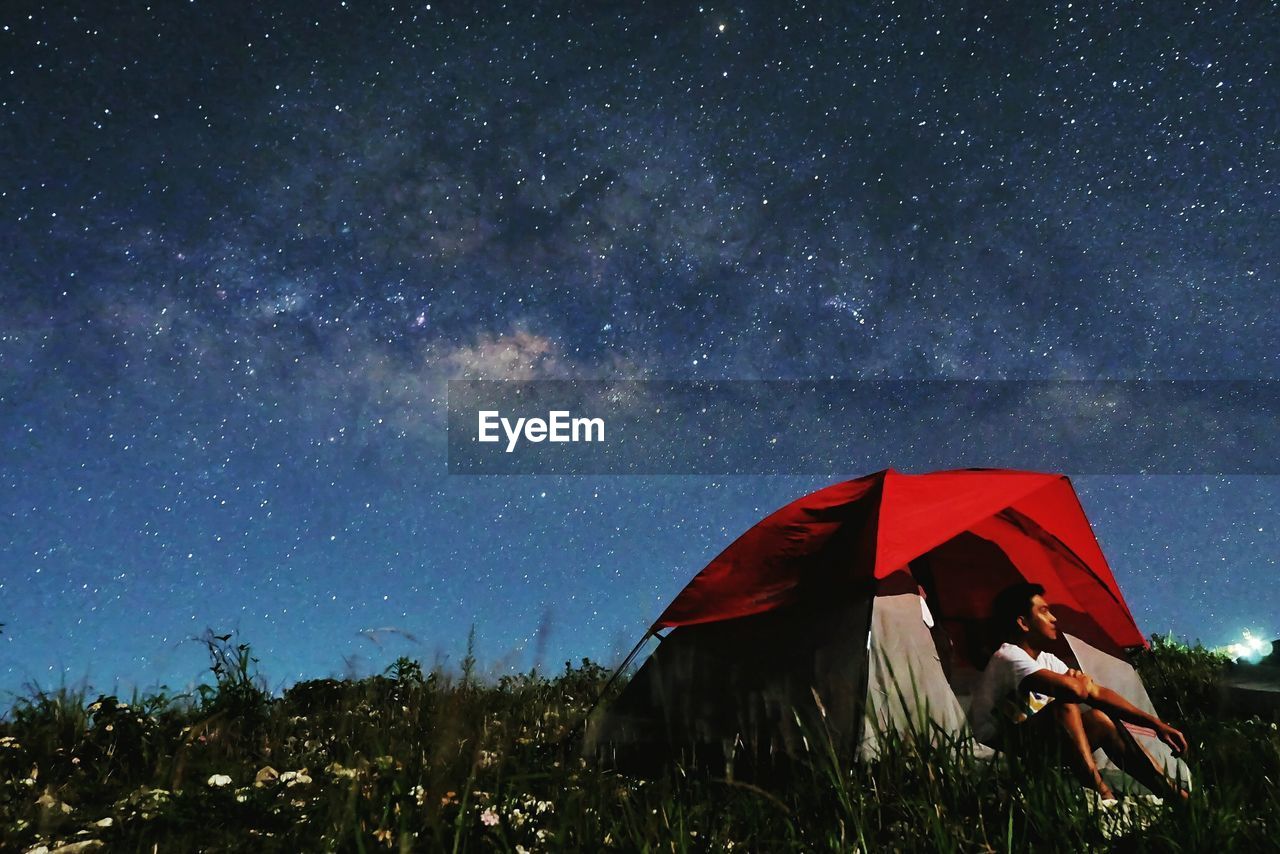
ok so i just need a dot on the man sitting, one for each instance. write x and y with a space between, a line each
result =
1029 701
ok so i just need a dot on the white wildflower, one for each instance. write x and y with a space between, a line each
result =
219 780
295 778
489 817
337 770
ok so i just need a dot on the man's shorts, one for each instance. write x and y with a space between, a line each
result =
1037 735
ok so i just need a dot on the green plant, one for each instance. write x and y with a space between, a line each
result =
1183 681
237 704
405 671
392 762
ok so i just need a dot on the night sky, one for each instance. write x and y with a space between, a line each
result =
242 252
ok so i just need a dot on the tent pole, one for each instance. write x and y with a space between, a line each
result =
614 678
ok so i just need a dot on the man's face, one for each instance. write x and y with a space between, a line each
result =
1040 623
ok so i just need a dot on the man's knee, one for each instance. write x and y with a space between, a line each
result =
1099 722
1104 732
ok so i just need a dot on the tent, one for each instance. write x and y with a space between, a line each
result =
860 609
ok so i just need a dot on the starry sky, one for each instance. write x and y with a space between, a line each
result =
242 254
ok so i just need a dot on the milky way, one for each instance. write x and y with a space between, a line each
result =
242 255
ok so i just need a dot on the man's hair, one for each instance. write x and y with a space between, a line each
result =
1010 604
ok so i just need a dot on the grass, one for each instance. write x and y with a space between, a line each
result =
414 761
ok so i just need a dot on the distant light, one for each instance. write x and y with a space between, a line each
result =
1250 648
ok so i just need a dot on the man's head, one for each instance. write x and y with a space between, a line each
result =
1021 614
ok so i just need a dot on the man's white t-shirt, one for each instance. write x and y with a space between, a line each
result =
997 700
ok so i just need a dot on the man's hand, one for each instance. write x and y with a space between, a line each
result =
1073 686
1086 687
1170 736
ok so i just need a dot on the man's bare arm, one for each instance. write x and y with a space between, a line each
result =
1076 687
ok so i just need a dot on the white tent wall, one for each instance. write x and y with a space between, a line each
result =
907 690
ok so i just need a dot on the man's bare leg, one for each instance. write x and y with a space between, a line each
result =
1124 750
1078 745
